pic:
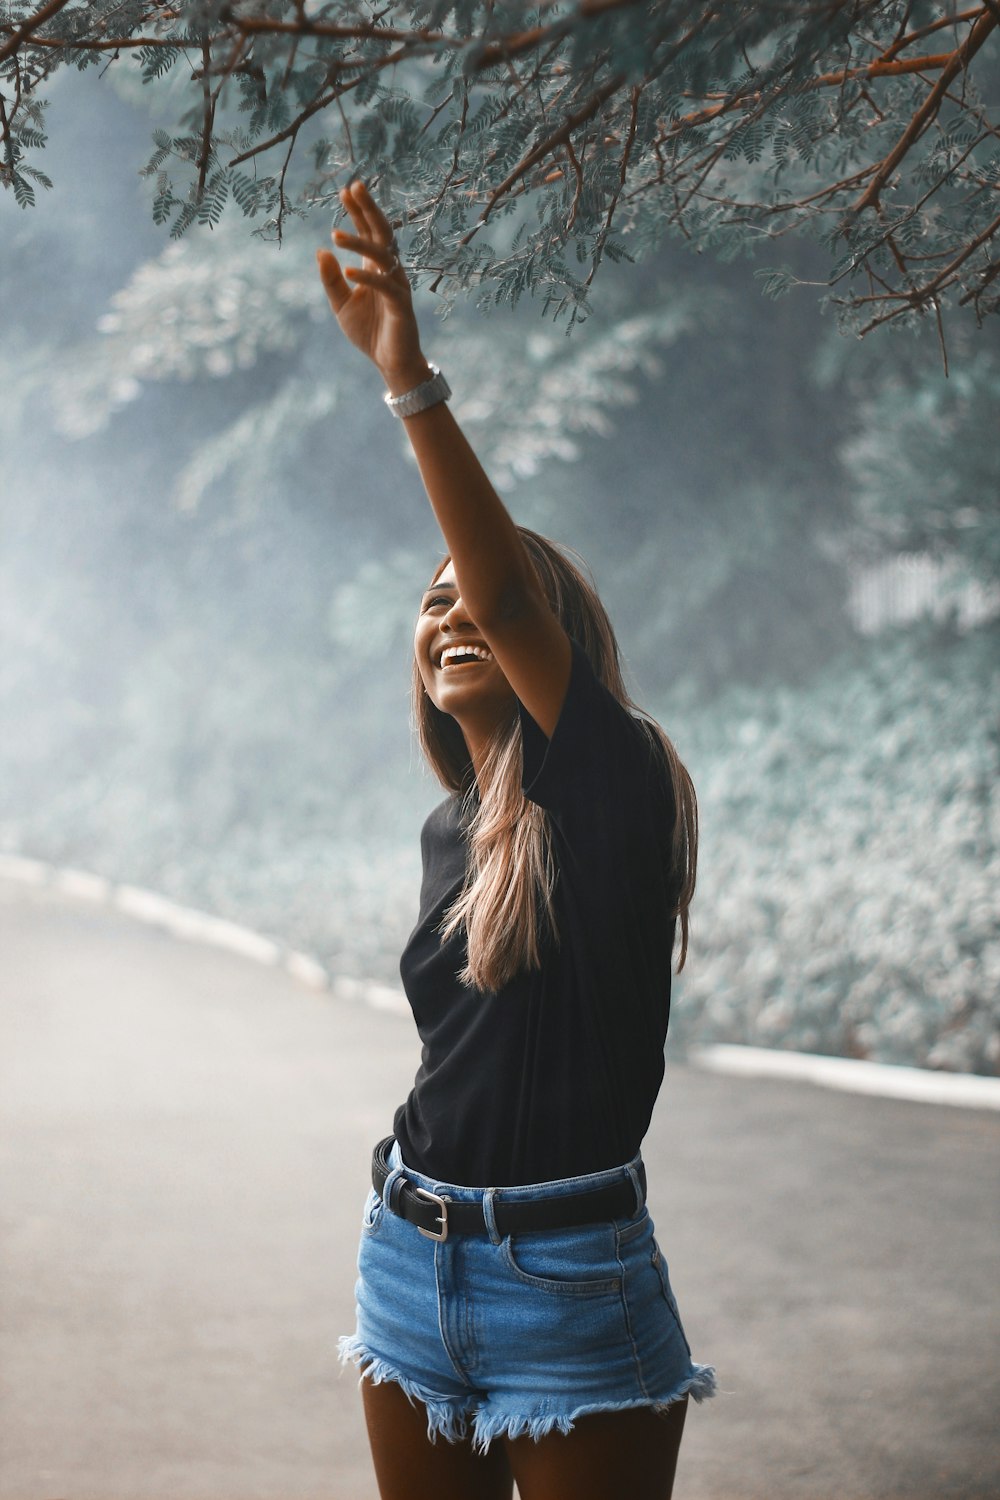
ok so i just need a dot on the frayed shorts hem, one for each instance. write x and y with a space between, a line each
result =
450 1416
447 1416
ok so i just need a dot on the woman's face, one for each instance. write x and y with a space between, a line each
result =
459 672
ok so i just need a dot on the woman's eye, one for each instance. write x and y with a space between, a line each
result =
438 599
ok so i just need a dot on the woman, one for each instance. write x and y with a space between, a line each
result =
511 1297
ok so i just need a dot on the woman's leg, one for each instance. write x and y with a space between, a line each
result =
408 1466
606 1456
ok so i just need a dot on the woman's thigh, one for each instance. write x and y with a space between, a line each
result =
408 1466
604 1456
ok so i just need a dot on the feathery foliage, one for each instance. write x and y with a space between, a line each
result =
519 146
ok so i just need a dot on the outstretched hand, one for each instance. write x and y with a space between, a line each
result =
372 302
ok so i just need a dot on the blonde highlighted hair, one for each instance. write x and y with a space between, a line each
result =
506 904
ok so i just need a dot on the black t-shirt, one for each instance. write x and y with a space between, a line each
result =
556 1074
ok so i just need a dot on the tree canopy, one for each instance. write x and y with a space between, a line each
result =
519 146
213 550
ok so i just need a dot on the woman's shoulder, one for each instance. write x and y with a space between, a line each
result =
443 824
601 746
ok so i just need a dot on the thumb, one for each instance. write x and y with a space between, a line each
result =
334 284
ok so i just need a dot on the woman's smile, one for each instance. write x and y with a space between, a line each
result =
450 649
465 655
461 675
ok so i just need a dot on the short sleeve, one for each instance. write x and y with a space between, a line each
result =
600 755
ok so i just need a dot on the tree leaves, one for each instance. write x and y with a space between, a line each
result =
775 281
617 123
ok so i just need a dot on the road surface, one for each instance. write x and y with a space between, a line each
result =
184 1142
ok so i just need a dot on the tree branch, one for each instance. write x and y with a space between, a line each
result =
881 68
990 274
114 43
208 119
21 35
5 140
960 259
938 25
918 297
320 102
282 201
490 55
578 189
545 147
622 175
556 73
960 59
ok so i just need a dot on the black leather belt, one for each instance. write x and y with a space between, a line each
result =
437 1216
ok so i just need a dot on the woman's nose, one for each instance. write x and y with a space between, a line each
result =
456 617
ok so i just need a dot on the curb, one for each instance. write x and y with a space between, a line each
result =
850 1075
193 926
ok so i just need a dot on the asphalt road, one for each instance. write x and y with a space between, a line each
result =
184 1140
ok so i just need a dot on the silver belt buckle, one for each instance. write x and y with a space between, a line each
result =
442 1204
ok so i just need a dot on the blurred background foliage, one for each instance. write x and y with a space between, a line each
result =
213 544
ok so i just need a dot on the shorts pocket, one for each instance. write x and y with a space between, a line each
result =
632 1229
372 1216
579 1262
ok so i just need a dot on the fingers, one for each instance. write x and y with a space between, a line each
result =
357 201
332 277
375 242
381 281
385 256
376 218
368 218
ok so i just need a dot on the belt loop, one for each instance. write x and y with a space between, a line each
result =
391 1185
638 1184
489 1214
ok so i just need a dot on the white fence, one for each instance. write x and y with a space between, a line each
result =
913 584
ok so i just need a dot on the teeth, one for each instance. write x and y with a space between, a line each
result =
451 652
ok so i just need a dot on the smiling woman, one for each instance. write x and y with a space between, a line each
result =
458 672
511 1294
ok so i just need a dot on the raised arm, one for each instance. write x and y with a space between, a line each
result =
373 305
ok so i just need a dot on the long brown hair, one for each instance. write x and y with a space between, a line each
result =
506 904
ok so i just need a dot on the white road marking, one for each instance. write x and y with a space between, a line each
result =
888 1080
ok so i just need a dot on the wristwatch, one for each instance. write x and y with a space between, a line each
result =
427 393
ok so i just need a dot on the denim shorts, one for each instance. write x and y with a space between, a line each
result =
522 1334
